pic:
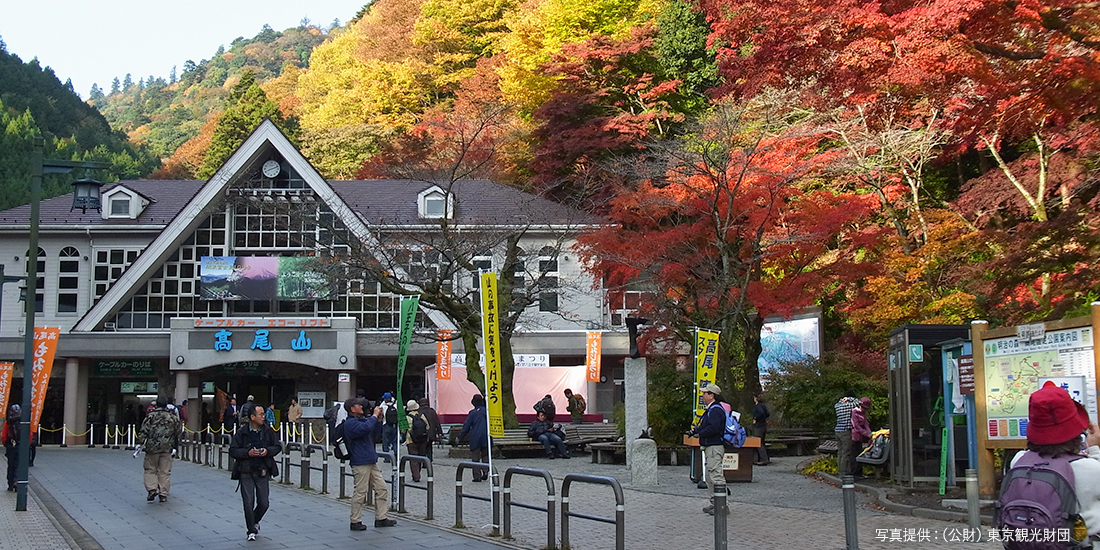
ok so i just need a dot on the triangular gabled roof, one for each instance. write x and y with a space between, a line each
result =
263 139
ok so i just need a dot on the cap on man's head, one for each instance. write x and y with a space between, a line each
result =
712 388
353 401
424 402
387 396
15 409
1054 417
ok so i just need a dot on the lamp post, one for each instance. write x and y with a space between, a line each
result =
38 166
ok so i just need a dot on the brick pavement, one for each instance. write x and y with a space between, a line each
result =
780 508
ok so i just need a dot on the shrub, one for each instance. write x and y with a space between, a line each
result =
804 393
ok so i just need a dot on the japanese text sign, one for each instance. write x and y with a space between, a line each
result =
490 328
592 356
45 345
443 355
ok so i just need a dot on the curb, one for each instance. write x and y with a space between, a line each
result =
883 500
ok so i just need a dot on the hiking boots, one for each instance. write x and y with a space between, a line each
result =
385 522
152 495
358 526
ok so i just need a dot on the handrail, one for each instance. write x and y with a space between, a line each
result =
426 463
620 514
494 479
551 498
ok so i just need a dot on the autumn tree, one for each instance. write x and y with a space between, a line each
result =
448 149
735 227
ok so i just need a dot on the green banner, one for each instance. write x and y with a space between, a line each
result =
408 321
124 367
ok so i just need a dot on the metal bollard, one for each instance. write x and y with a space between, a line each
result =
848 484
973 516
720 529
304 467
64 435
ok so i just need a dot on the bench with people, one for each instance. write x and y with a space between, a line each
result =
516 442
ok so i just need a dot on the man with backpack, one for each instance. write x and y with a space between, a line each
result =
575 405
360 432
417 439
1055 484
710 431
389 423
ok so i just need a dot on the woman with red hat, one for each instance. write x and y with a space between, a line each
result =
1055 425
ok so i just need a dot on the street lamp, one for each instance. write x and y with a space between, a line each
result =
38 166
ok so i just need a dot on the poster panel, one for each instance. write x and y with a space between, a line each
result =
1014 369
262 278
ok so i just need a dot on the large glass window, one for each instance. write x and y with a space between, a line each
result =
68 280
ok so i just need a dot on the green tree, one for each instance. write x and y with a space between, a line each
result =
246 107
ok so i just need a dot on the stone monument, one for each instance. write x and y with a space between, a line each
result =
634 384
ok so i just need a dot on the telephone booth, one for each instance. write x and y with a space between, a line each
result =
918 403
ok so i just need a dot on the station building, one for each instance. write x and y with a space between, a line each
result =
139 317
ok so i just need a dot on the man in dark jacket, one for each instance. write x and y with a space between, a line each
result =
760 416
477 427
436 434
549 434
360 433
710 431
254 447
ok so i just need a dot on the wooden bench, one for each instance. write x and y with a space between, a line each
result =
795 445
828 447
580 435
615 453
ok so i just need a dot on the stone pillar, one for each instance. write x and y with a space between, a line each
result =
343 386
643 466
72 390
636 402
183 379
82 402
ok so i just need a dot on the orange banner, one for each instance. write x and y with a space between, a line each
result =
592 359
5 386
45 345
443 355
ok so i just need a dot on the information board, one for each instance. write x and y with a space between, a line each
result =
1013 368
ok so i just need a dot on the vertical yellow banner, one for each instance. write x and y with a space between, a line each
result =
706 364
5 385
443 355
490 329
592 357
45 345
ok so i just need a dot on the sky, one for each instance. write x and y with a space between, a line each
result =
94 42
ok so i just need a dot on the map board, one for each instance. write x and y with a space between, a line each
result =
1013 369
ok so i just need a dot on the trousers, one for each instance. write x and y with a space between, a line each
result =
158 472
369 476
254 494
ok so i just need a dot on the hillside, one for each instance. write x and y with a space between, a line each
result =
165 113
33 101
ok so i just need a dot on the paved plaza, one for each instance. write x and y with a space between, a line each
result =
94 498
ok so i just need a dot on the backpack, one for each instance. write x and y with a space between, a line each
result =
391 414
339 446
1037 495
580 404
418 430
330 414
734 434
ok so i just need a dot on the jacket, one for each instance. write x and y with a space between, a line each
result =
539 427
477 426
861 429
294 413
245 439
10 433
760 415
360 433
160 432
712 427
435 430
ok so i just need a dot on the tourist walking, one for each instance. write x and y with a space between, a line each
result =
433 420
10 437
574 403
477 427
760 416
159 438
254 447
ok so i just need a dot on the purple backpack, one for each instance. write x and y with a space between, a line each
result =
1038 496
